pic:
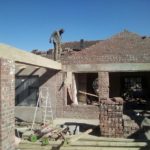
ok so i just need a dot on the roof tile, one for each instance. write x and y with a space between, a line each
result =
123 47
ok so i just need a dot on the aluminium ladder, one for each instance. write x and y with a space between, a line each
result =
45 103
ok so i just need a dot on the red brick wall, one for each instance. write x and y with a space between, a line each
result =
66 111
7 99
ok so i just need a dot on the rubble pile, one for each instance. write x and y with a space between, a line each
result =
130 126
42 133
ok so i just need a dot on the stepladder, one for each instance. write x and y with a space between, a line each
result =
45 105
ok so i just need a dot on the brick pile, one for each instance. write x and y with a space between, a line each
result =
130 127
111 117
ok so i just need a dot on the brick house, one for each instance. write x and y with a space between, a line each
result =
115 67
124 57
121 66
84 85
93 71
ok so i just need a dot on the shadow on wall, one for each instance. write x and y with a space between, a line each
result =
75 128
27 87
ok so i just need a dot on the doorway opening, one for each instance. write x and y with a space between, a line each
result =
84 85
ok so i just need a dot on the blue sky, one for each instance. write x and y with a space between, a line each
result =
28 24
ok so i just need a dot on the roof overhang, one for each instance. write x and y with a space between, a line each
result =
20 56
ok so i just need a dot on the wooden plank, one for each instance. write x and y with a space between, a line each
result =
94 138
38 143
109 144
101 148
34 147
82 92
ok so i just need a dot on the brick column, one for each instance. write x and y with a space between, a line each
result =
111 117
103 85
60 95
111 110
7 104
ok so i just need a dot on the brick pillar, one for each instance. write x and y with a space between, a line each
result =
111 117
7 104
111 110
103 85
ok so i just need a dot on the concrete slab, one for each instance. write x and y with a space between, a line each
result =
84 121
21 56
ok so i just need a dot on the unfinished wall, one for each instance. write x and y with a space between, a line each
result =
7 99
47 78
61 95
69 111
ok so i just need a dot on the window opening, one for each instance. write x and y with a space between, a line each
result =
27 88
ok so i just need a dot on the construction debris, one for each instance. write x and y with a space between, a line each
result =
90 143
130 126
77 137
44 134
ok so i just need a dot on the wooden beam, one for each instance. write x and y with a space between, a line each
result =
85 93
113 67
97 138
21 56
22 67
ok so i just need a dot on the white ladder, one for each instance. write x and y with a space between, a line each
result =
46 106
45 103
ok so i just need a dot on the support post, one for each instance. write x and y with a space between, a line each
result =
111 110
103 85
7 104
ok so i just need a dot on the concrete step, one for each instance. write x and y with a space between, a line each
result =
100 148
96 138
109 144
90 143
